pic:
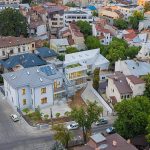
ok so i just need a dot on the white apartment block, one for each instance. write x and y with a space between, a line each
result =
15 45
77 65
76 15
33 87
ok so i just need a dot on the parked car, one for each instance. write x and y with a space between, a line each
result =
14 117
102 121
110 130
73 126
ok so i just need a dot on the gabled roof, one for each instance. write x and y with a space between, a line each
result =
10 41
26 60
45 52
60 42
121 83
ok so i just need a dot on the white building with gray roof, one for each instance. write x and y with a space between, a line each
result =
33 87
132 67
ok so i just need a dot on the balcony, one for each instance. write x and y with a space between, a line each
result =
59 90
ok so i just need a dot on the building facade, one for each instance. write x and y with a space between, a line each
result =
15 45
34 87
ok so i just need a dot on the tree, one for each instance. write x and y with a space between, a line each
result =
62 134
57 115
46 116
96 79
132 51
71 4
86 117
26 110
135 18
147 6
85 27
92 42
95 13
46 44
147 85
70 50
119 49
26 1
61 57
132 116
12 23
121 24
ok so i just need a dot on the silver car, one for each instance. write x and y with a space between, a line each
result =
14 117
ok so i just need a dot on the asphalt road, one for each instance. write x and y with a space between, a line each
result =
19 136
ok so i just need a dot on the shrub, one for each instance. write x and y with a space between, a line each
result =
57 115
26 110
46 117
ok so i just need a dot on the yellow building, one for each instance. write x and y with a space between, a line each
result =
142 2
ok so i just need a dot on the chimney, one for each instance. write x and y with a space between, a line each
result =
129 141
114 143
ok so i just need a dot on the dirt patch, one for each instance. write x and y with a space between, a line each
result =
76 100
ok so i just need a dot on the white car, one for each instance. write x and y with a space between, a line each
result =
14 117
73 126
110 130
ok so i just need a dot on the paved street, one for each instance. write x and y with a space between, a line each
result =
19 135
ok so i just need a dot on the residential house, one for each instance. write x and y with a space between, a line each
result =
34 87
142 2
76 36
128 10
17 62
104 35
15 45
46 54
52 15
76 15
59 45
12 6
109 14
37 27
132 67
110 142
123 87
144 53
9 1
145 24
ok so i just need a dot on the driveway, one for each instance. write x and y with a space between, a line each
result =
19 135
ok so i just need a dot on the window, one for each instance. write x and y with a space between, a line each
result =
3 53
32 45
44 100
43 90
19 50
23 91
24 101
11 51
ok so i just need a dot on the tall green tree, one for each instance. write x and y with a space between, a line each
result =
132 116
62 134
147 6
70 50
135 18
132 51
121 24
12 23
85 27
147 85
96 79
85 117
92 42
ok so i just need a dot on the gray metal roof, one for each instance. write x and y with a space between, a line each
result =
138 68
33 77
98 138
